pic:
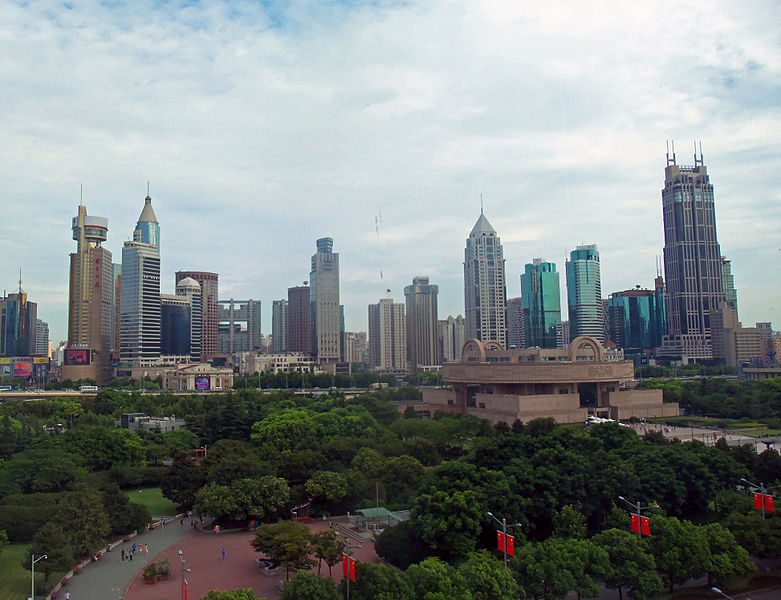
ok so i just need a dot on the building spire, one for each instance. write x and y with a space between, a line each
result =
20 282
481 203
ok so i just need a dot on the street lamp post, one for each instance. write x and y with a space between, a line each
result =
636 506
346 543
718 591
34 560
185 570
503 523
760 488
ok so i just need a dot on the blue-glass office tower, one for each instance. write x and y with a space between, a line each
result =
147 229
636 318
584 293
541 299
175 325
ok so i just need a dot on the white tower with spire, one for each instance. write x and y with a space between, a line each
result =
485 292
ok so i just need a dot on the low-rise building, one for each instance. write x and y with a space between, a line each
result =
524 384
199 377
136 421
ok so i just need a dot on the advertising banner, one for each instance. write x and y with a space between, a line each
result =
77 356
23 368
41 360
202 382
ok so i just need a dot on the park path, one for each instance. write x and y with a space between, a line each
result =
108 578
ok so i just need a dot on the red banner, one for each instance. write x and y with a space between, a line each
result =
645 526
511 545
758 501
635 523
500 541
769 503
350 569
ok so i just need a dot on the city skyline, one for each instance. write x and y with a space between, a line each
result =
385 141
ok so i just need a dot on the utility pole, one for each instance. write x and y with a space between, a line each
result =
34 560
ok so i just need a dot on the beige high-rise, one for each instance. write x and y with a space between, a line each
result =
387 336
421 300
91 299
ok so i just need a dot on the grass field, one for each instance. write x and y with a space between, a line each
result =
153 499
15 579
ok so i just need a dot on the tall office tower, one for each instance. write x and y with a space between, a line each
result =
516 336
485 293
728 283
636 319
324 303
139 343
299 328
116 273
356 347
387 336
91 299
421 301
341 333
452 336
209 283
191 289
279 341
584 293
238 326
17 324
692 259
541 303
41 338
562 335
175 326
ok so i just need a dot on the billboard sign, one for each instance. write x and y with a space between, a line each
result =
23 368
202 382
76 356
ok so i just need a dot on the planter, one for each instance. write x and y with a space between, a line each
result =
165 577
65 580
76 570
150 580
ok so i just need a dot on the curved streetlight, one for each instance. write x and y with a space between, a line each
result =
185 570
503 523
636 506
34 560
718 591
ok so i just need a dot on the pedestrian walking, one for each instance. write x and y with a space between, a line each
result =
223 553
67 595
146 548
123 554
131 557
181 521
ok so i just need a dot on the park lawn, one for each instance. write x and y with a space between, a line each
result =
153 499
15 579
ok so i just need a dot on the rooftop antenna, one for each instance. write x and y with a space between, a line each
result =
672 143
147 190
20 281
702 162
81 194
481 203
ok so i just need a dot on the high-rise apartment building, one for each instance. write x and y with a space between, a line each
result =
279 340
485 292
41 338
140 303
728 283
325 315
299 313
191 290
18 317
452 336
516 336
692 259
584 294
541 299
116 312
356 347
90 299
209 283
421 301
387 336
239 326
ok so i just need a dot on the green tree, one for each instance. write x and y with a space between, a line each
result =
182 481
433 579
308 586
378 582
81 513
286 543
109 402
327 546
679 549
631 567
449 523
569 523
3 540
487 579
55 541
727 558
240 594
401 545
327 486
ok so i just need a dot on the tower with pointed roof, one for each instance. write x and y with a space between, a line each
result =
485 292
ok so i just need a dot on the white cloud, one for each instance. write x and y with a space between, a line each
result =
262 128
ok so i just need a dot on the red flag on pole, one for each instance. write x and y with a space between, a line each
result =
645 526
769 503
348 566
510 545
635 522
352 569
344 564
500 541
758 501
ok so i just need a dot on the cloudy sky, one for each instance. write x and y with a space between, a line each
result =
264 125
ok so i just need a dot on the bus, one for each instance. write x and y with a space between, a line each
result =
85 389
5 388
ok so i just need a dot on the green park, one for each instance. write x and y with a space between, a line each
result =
71 482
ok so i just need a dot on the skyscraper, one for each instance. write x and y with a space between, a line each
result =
421 301
238 326
299 314
636 319
387 336
90 300
324 303
728 282
191 289
541 299
18 318
692 259
584 293
140 310
279 341
41 337
485 293
175 325
452 335
209 283
516 336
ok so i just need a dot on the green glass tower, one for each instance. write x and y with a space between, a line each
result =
584 293
541 299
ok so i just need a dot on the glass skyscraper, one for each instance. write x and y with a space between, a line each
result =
541 298
584 293
324 303
636 319
692 259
